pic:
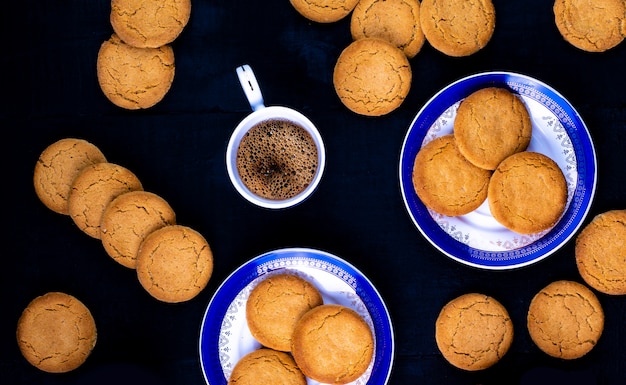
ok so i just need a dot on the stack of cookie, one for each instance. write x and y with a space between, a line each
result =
136 65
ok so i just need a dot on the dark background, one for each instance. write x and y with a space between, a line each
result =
177 149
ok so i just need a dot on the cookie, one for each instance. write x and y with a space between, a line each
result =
592 26
56 332
266 367
372 77
275 305
527 193
445 181
601 252
57 167
174 263
149 23
565 320
324 11
458 27
473 331
490 125
93 189
396 21
332 344
128 219
134 78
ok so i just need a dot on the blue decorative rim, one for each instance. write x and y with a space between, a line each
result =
585 161
278 259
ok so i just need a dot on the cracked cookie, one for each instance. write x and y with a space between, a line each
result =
458 27
266 367
372 77
591 25
56 332
601 252
527 192
445 181
565 319
490 125
324 11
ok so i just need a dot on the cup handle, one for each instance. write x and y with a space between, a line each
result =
250 87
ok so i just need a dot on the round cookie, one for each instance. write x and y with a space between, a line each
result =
591 25
266 367
565 319
396 21
445 181
527 192
134 78
372 77
473 331
149 23
490 125
56 332
332 344
324 11
458 27
601 252
174 263
275 305
128 219
57 167
93 189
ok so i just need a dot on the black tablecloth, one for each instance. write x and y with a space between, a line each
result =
177 150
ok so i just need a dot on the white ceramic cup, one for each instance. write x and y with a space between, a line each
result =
262 113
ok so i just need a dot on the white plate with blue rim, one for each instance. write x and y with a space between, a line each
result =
477 239
224 333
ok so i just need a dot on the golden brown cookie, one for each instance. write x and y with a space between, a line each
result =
601 252
591 25
332 344
458 27
565 319
134 78
490 125
56 332
92 190
57 167
275 305
372 77
324 11
128 219
266 367
174 263
396 21
527 193
473 331
445 181
149 23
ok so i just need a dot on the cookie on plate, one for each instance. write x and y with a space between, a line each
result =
592 26
527 193
458 27
490 125
128 219
473 331
93 189
174 263
565 319
57 167
397 21
372 77
324 11
600 252
445 181
149 24
332 344
56 332
134 78
266 367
